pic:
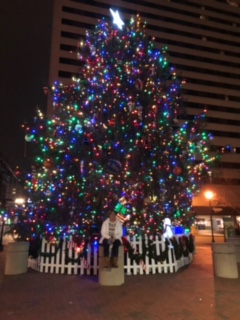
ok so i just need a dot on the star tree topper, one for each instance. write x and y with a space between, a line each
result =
116 19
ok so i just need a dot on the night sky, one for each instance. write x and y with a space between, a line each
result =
25 34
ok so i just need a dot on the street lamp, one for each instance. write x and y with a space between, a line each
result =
19 201
209 195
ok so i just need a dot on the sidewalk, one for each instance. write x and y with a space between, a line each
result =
193 293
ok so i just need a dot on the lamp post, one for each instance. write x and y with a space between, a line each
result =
209 195
1 235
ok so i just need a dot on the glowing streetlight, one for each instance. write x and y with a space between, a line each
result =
19 202
209 196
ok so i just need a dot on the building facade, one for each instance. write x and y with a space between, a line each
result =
9 184
203 44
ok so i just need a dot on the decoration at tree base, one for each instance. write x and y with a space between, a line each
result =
56 246
182 246
167 227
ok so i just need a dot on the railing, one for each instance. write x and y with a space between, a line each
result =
67 259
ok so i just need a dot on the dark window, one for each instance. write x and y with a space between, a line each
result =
71 62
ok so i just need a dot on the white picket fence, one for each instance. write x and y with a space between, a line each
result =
55 262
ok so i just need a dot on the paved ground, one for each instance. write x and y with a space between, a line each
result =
193 293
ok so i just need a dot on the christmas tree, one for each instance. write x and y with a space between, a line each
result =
117 139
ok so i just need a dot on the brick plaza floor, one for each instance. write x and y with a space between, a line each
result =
193 293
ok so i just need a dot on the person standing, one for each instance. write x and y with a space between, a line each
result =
111 239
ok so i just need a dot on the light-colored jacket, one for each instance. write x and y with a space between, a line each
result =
118 233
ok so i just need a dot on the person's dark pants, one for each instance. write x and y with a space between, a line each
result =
115 247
